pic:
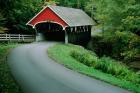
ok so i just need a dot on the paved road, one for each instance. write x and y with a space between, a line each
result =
37 73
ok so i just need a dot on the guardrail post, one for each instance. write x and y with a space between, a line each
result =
9 37
6 36
23 38
19 37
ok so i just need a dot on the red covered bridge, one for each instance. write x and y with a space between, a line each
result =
62 23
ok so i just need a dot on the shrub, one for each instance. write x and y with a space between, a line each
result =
99 46
119 45
85 57
106 65
118 69
130 55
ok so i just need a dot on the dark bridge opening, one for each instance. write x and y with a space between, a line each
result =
79 35
51 31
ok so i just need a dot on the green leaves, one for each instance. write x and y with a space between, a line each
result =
17 13
2 21
7 82
106 65
123 15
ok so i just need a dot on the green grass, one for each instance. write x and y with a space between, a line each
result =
106 65
7 82
61 54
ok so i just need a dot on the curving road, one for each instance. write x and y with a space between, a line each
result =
37 73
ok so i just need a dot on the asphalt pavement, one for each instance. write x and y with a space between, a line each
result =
37 73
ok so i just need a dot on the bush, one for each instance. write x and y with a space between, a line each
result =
119 45
106 65
85 57
118 69
7 82
99 46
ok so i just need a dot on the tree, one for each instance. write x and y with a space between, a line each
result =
2 21
120 21
18 12
73 3
122 15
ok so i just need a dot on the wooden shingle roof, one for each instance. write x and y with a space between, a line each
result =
72 16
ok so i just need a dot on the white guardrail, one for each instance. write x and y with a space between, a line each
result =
17 37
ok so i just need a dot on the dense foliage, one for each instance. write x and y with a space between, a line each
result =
7 82
107 65
122 15
120 24
14 14
119 45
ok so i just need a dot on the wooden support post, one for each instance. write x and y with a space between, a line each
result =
75 29
89 32
66 37
85 29
36 39
71 29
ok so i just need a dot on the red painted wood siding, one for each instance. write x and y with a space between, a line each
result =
47 15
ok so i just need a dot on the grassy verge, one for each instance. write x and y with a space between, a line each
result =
61 53
7 83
